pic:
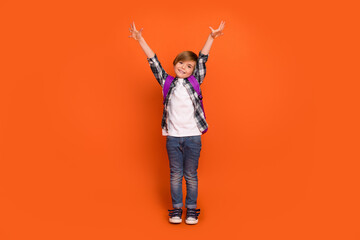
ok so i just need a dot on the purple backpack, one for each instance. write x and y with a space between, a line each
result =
194 84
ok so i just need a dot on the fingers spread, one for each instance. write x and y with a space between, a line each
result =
222 25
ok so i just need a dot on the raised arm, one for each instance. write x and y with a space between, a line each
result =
135 34
214 34
155 65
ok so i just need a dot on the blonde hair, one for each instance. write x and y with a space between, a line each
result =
185 56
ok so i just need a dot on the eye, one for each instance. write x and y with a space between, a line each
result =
189 66
181 62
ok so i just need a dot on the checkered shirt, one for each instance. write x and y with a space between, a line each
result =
199 73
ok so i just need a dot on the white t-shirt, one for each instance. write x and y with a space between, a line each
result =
181 120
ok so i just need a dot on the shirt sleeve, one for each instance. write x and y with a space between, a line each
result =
157 70
200 69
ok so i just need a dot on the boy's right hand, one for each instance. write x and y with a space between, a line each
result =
135 34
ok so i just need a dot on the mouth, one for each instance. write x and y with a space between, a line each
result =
181 71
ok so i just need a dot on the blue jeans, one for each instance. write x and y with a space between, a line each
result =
183 153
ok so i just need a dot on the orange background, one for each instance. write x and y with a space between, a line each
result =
82 156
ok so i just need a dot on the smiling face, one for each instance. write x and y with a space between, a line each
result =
183 69
184 64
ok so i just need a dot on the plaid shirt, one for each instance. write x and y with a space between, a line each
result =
199 73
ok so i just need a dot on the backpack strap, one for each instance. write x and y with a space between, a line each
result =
166 87
194 82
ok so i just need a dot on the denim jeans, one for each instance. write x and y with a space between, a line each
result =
183 153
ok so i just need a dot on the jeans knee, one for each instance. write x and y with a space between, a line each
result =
176 176
191 177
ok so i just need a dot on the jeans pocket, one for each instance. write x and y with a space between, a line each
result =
170 140
196 139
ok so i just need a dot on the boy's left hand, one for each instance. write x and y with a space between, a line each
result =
218 32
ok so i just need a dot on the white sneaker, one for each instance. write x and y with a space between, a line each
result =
192 216
175 215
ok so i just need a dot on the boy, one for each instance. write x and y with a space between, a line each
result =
183 120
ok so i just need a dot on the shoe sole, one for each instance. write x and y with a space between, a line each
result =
175 221
191 222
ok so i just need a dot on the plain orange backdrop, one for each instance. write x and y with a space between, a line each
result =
82 156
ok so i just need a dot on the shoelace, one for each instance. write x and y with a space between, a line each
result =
176 212
192 213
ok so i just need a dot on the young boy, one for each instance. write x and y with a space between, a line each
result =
183 120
